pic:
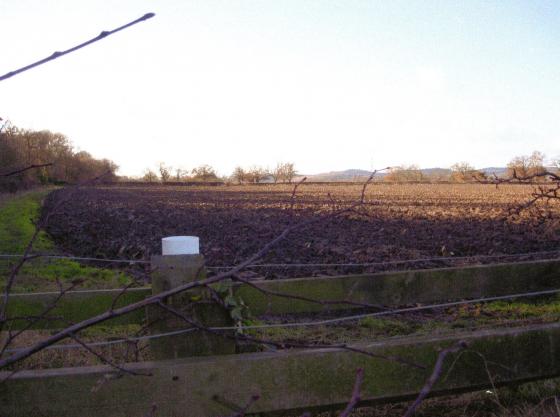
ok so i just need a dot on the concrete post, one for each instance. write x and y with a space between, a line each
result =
181 263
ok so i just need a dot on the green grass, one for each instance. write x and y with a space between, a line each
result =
18 216
467 318
525 310
387 327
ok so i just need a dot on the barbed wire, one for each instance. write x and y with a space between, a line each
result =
303 265
306 323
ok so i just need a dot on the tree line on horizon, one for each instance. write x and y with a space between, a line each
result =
20 148
54 155
461 172
520 166
284 172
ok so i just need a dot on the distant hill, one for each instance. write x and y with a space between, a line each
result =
346 175
499 171
436 173
361 174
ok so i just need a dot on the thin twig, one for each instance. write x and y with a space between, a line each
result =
369 180
282 345
241 413
42 316
438 367
307 299
19 171
58 54
355 399
293 197
105 360
120 294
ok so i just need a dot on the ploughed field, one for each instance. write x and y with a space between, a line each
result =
396 222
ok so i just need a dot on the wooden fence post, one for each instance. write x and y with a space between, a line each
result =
181 263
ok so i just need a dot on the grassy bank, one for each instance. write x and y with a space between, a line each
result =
18 216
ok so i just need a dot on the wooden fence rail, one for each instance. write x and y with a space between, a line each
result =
387 288
286 380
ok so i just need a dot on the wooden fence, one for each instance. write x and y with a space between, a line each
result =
295 379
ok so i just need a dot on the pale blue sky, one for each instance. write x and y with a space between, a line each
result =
328 85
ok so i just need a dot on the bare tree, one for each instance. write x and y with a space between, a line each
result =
284 172
526 166
204 173
149 176
276 173
239 175
404 173
52 154
164 172
463 172
257 174
289 172
180 174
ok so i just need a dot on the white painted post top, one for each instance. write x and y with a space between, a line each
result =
180 245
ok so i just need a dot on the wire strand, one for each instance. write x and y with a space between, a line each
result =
303 324
302 265
111 342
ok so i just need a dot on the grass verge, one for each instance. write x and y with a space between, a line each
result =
18 216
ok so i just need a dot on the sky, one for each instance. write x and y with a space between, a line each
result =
327 85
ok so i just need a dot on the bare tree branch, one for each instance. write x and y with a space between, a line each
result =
58 54
302 298
438 367
282 345
369 180
355 399
105 360
245 409
293 197
42 316
19 171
